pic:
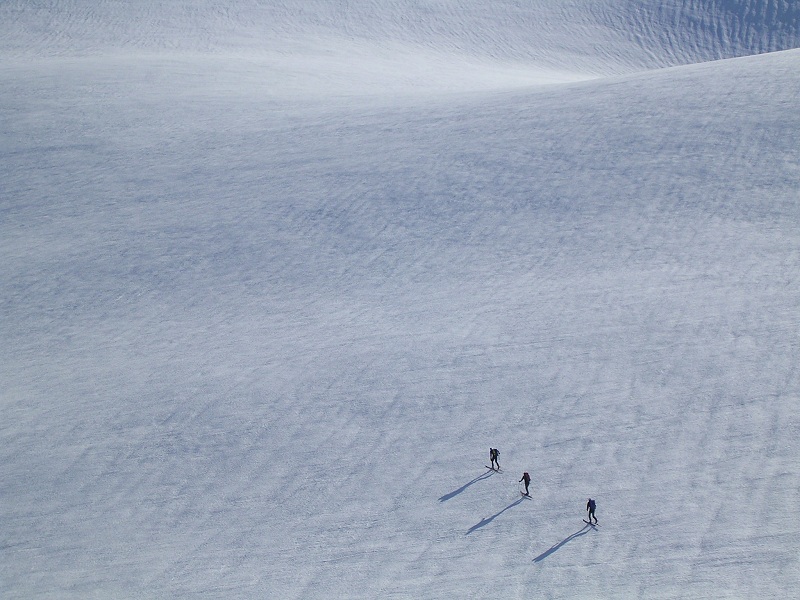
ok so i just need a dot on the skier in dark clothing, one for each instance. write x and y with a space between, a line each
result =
590 506
527 479
494 453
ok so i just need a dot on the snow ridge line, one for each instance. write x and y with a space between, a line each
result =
587 36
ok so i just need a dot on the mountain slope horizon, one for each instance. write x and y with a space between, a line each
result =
580 38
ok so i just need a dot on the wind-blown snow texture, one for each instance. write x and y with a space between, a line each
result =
276 276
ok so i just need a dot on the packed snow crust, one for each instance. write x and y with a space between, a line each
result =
275 276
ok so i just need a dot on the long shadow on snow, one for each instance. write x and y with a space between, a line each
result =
547 553
488 520
447 497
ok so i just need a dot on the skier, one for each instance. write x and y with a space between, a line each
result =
527 479
494 453
590 506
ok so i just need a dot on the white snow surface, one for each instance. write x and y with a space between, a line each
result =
275 276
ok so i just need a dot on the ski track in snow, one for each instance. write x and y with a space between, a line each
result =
276 276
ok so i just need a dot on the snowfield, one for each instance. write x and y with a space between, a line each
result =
274 277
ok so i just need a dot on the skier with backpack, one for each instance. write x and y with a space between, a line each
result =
494 454
527 479
591 505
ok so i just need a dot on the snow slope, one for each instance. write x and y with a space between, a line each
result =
393 46
275 277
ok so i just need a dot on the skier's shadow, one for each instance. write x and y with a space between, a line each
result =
488 520
447 497
569 538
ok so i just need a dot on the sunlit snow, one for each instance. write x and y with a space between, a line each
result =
275 276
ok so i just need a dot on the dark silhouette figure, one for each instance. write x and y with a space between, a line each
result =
527 479
494 454
591 506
